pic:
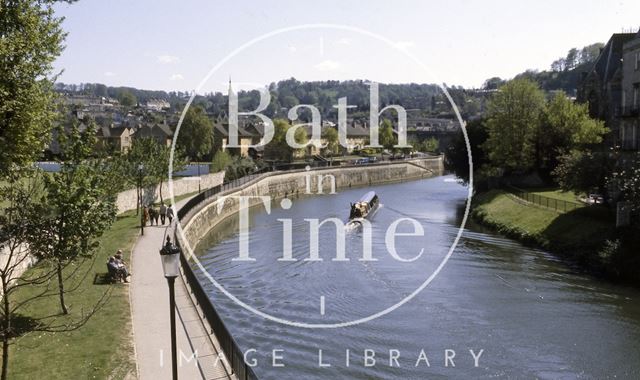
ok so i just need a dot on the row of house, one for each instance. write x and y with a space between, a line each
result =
357 133
612 90
120 137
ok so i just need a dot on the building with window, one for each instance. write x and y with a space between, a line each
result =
601 86
629 114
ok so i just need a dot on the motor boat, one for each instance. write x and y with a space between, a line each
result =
363 208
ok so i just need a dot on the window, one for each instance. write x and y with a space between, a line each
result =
638 60
636 96
629 132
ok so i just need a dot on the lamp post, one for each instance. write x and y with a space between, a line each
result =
199 179
170 255
142 215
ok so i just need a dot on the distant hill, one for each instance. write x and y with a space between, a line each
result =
423 99
566 72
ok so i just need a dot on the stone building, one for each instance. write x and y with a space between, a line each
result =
629 108
601 87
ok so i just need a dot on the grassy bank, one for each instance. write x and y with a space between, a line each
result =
100 349
580 233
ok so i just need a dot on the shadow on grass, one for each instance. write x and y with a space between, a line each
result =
22 324
582 231
103 279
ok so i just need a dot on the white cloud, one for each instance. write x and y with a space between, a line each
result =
109 74
328 65
403 45
292 49
168 59
344 41
176 77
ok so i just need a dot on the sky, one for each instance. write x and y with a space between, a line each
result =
175 45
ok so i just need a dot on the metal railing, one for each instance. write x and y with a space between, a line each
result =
559 205
229 346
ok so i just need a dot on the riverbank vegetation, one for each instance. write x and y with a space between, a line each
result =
549 145
586 235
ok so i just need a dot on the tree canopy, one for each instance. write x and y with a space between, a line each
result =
30 40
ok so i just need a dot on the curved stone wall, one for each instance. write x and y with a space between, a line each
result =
198 222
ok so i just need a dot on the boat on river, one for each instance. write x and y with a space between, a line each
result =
364 207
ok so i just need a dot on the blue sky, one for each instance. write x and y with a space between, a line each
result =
172 45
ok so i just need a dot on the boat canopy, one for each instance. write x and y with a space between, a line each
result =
368 197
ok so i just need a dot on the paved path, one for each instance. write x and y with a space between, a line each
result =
150 314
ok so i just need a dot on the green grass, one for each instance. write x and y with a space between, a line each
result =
581 231
103 347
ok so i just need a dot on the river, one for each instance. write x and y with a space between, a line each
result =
531 314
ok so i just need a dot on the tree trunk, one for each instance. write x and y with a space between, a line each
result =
6 329
137 200
161 200
61 289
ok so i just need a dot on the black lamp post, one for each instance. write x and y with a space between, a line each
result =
142 215
170 255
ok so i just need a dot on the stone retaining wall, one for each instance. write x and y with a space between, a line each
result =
127 200
197 223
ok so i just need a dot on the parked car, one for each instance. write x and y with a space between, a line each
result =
595 199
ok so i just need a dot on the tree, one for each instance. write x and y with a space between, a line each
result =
18 223
196 133
127 99
571 60
493 83
30 40
457 159
513 118
566 126
330 135
75 208
221 160
429 145
584 171
387 139
278 149
147 165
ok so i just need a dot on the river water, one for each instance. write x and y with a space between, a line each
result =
532 315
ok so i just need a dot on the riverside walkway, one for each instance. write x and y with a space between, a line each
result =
150 316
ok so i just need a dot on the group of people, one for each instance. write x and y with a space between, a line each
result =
156 215
118 268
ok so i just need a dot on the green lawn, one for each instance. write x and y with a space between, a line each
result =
103 347
583 229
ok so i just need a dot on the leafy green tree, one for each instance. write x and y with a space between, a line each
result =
147 165
456 157
387 138
278 149
583 171
127 99
429 145
330 135
566 126
221 160
75 209
513 119
196 133
30 40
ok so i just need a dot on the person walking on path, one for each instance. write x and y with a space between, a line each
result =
155 215
170 213
163 212
145 215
